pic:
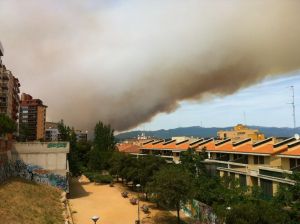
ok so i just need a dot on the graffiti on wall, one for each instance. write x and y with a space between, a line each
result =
57 145
200 212
33 173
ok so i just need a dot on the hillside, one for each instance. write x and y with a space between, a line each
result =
26 202
197 131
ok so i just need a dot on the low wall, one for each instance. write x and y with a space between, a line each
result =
51 156
38 161
34 173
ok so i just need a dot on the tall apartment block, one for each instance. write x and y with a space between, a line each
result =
9 91
32 117
9 105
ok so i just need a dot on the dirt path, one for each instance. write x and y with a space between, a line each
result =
89 199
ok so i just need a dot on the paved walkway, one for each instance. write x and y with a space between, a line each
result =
89 199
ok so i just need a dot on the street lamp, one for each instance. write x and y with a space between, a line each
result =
138 187
95 218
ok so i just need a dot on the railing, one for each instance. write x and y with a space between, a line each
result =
277 174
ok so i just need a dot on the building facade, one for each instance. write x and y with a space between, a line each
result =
267 163
241 132
9 105
44 162
32 118
9 91
81 136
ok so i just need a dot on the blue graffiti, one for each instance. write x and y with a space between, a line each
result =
33 173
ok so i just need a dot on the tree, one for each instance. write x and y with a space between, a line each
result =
24 132
68 134
288 196
64 131
7 125
253 212
104 137
103 147
172 186
147 167
193 161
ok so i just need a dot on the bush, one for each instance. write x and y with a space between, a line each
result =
104 179
90 176
99 178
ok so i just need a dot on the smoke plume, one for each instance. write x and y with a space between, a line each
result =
123 62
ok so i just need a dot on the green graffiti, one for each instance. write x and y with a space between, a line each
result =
57 145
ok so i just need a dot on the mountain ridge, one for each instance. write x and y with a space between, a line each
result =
198 131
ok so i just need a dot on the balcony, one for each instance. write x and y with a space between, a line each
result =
228 166
275 174
3 104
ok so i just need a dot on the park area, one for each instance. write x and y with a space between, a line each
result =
89 199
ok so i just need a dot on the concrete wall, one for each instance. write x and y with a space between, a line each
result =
50 156
285 163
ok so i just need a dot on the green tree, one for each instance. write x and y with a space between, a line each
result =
64 131
7 125
193 161
172 186
24 132
68 134
104 137
288 196
254 212
103 147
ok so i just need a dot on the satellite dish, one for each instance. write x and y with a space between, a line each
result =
297 136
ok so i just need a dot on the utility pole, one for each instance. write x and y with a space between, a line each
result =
293 107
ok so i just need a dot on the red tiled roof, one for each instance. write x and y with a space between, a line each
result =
292 150
128 148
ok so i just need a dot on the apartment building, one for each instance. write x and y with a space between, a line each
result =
9 91
169 149
266 163
81 136
51 131
240 132
32 118
9 105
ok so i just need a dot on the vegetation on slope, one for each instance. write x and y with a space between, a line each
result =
26 202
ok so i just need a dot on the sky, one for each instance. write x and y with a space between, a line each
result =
155 64
264 104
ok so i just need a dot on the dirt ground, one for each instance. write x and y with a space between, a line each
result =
89 199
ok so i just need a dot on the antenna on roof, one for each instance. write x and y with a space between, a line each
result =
293 107
297 136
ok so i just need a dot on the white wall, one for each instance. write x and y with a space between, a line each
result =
50 156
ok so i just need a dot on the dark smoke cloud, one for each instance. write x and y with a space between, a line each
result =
125 61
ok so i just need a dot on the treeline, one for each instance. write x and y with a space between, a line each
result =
171 185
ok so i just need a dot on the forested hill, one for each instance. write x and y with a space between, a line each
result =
197 131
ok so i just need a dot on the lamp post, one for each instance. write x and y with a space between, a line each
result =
95 218
138 187
227 211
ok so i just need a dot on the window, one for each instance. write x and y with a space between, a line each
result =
267 188
294 163
243 180
259 160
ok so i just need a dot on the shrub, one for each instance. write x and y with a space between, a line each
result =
104 179
99 178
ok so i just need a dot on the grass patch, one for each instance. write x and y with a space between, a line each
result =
26 202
